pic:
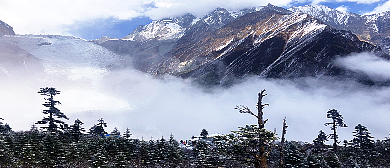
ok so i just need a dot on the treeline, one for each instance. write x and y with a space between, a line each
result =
41 149
58 144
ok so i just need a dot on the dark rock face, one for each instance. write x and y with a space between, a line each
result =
5 29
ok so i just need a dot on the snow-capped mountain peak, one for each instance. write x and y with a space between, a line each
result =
325 13
164 29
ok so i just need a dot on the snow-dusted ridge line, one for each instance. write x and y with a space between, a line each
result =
321 11
168 28
162 30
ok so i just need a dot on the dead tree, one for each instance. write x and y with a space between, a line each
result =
261 157
282 143
260 106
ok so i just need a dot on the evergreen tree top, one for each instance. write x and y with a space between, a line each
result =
53 124
49 91
336 117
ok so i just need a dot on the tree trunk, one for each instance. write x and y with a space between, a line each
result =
282 144
262 159
335 136
260 107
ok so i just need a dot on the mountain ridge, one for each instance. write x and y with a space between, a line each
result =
266 41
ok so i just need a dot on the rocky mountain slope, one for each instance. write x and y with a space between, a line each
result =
267 41
373 28
15 61
148 45
6 29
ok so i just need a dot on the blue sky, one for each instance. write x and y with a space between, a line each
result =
92 19
107 27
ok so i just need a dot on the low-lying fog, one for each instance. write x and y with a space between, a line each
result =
152 108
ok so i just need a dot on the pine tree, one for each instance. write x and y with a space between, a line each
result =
97 152
53 150
204 134
7 150
362 145
293 156
76 130
382 148
162 152
320 147
203 157
314 161
115 146
4 128
144 153
337 121
127 134
244 145
319 141
332 160
115 132
175 154
151 160
98 129
53 124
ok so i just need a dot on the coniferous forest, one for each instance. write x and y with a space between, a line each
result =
53 143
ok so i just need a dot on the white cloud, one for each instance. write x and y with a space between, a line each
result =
51 17
340 1
202 7
380 8
54 17
375 67
342 8
153 107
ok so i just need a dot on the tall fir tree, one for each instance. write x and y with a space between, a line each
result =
127 134
337 121
362 145
53 123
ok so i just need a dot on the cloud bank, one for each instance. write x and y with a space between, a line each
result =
152 108
376 68
381 8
